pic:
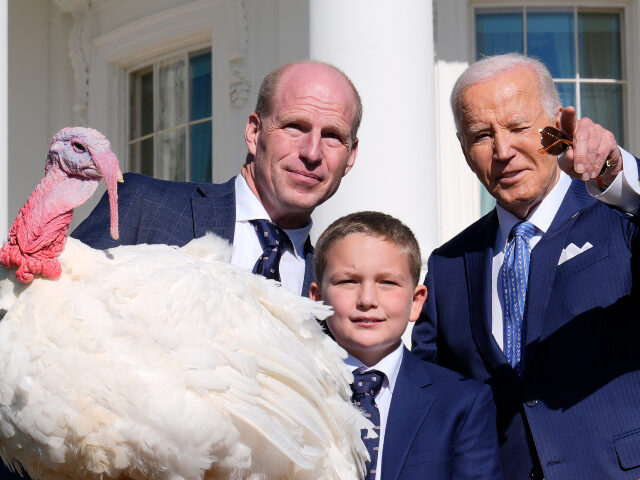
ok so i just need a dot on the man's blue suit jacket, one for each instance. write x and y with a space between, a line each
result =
172 213
441 426
578 402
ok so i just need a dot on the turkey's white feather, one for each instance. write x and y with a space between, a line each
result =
163 362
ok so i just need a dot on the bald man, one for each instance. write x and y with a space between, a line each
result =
301 141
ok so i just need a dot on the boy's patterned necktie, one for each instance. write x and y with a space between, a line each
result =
515 276
365 386
273 241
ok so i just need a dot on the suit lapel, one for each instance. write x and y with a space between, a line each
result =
478 264
544 264
214 210
410 403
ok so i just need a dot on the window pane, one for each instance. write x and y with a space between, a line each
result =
498 33
141 154
141 104
167 97
201 152
599 44
171 161
172 95
146 104
567 93
602 103
550 39
200 76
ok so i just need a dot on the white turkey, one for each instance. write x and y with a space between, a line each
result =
158 362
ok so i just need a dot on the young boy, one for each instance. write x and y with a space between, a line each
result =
433 423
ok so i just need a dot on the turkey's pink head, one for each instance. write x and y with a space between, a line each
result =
82 152
78 158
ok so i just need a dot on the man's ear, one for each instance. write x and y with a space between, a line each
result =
352 156
252 132
314 292
559 118
419 297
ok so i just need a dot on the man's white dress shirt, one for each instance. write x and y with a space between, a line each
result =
246 246
390 366
623 193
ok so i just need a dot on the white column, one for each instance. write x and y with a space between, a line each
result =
4 125
386 48
459 189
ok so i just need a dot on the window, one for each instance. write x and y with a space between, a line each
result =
170 118
581 47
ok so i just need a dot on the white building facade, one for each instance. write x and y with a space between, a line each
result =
171 83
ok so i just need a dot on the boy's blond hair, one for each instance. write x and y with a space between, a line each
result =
375 224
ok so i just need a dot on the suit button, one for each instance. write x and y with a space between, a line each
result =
531 403
536 474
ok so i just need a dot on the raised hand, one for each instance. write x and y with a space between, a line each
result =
593 147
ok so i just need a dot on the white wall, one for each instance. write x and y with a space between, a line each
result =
4 134
632 43
28 99
60 86
458 188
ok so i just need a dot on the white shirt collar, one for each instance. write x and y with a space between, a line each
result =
248 207
389 365
541 216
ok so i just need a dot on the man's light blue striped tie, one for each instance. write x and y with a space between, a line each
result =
515 275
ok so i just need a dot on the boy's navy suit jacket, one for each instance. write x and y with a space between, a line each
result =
441 426
172 213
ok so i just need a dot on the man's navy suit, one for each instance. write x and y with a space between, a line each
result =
578 402
441 426
172 213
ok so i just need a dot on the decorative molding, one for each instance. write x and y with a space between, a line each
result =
79 49
144 38
79 53
69 6
239 85
158 33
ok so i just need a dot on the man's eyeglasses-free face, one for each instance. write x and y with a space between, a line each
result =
554 142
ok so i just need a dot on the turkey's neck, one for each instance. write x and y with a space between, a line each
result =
44 220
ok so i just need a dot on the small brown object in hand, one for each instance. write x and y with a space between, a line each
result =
554 142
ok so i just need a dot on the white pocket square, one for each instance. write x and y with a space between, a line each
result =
571 251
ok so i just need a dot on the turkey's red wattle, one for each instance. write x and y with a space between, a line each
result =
38 235
78 158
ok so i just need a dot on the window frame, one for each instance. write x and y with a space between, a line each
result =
153 64
115 50
576 7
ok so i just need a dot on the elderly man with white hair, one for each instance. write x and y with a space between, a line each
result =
539 298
